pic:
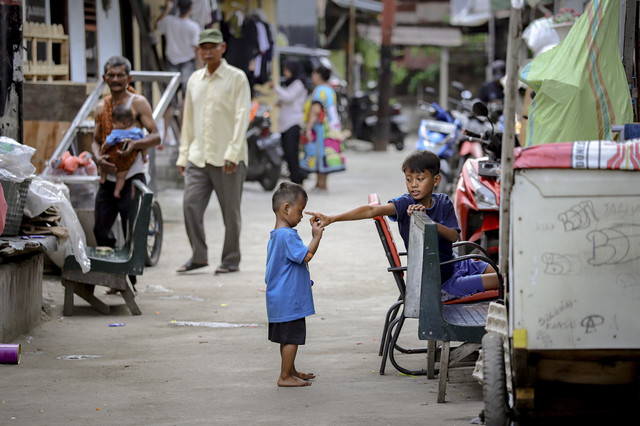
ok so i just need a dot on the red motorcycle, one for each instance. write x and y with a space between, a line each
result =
477 197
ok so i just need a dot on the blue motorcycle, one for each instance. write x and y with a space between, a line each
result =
439 135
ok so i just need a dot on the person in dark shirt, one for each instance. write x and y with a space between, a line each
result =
492 91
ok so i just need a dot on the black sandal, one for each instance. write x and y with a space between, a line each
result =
190 266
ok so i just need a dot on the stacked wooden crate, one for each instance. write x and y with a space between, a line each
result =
45 68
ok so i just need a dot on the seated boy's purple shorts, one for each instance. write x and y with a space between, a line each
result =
466 280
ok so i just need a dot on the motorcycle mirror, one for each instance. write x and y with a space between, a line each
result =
430 91
457 85
480 109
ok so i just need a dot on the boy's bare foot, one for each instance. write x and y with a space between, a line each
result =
291 382
304 376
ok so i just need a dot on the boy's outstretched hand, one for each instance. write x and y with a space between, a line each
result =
319 218
316 228
415 208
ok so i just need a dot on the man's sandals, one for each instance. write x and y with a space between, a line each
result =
225 270
190 266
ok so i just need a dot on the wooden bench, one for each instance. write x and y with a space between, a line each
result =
111 269
444 322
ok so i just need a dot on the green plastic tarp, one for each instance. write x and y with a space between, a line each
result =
580 86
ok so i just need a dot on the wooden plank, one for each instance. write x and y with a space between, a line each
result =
431 358
107 279
86 292
44 136
68 297
588 372
129 299
444 372
461 375
53 101
461 352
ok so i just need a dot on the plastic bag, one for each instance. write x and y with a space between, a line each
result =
580 85
540 36
15 160
43 194
83 195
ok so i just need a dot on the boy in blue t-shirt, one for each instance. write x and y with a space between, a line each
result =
289 298
422 174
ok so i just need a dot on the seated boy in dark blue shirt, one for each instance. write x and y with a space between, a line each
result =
289 297
422 174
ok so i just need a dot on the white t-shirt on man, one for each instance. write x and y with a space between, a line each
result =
181 37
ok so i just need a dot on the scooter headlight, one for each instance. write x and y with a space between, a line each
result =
485 198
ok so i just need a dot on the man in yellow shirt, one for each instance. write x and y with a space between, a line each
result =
213 150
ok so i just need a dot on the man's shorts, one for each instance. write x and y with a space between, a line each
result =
288 333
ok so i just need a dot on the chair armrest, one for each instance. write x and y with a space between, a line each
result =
485 259
471 244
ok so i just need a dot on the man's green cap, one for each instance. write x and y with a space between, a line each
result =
210 35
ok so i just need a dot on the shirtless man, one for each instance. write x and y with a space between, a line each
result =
116 76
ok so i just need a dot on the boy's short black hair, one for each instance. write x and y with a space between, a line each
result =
419 161
287 192
122 114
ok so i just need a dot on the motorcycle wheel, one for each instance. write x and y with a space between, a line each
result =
154 236
397 139
269 178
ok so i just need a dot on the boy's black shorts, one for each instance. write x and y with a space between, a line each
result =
290 332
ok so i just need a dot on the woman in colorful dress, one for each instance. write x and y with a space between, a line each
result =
322 139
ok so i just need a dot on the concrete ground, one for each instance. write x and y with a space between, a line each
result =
199 354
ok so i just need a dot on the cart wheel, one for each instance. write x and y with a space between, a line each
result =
495 382
154 237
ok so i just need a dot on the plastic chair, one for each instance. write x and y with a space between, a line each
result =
394 319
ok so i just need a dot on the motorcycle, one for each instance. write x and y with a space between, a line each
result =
477 196
265 148
363 108
439 134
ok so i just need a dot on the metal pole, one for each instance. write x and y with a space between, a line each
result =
384 85
508 138
352 48
444 77
11 76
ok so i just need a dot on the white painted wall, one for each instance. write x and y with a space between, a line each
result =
77 64
109 33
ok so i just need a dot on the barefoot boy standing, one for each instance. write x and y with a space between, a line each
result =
289 297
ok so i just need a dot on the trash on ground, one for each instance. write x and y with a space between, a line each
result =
209 324
79 357
178 297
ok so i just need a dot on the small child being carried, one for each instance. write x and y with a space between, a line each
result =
115 146
289 297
